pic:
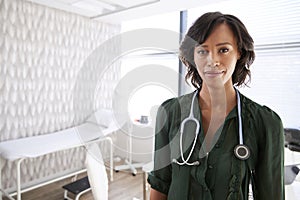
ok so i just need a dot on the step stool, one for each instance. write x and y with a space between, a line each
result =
78 188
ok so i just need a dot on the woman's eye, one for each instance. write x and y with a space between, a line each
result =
224 50
201 52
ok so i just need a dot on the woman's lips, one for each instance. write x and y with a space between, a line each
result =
213 73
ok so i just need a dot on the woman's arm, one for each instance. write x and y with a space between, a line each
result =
270 167
156 195
161 177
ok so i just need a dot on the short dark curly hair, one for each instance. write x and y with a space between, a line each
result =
199 32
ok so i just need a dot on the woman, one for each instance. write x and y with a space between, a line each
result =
232 140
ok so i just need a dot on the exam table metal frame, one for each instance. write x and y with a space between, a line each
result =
19 190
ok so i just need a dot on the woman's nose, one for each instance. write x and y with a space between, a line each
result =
213 60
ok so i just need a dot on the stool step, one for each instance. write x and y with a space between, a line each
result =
78 186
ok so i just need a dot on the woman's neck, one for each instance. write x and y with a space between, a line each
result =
217 99
215 104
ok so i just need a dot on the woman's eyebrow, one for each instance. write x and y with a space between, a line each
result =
224 43
219 44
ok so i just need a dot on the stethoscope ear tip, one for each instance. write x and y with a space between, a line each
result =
196 163
185 162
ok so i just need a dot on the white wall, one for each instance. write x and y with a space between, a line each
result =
51 78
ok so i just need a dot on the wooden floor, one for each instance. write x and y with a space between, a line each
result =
123 187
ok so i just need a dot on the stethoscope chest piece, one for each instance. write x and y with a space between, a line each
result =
242 152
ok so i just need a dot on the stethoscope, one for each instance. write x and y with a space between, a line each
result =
241 151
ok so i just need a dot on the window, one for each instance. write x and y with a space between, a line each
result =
150 89
152 79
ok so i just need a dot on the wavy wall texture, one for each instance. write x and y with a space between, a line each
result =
47 79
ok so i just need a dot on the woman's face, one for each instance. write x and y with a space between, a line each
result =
216 58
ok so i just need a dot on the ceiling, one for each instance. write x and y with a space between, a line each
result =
116 11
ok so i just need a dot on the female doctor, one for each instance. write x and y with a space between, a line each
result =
214 142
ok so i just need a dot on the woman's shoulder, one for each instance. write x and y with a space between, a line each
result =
259 111
176 102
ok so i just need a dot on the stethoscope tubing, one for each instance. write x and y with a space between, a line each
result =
189 118
241 151
241 139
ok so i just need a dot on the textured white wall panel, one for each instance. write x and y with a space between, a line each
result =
46 76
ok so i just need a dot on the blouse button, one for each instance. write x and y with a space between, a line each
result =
210 166
217 145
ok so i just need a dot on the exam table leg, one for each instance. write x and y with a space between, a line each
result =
2 192
111 159
19 179
1 166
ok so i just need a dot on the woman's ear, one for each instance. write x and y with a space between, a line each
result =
239 55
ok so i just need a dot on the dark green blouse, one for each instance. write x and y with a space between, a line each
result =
220 175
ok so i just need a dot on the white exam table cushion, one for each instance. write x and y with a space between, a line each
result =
35 146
